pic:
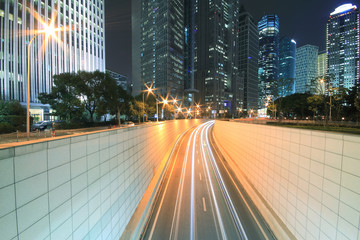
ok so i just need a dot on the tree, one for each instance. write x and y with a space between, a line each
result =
13 113
64 97
89 86
314 102
281 88
107 95
136 108
357 105
349 107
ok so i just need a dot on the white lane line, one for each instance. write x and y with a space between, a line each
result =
224 189
222 228
204 204
166 187
211 201
180 193
200 176
245 201
192 205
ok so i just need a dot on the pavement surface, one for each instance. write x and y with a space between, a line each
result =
200 198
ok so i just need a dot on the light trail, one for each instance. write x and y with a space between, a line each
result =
245 201
222 228
180 193
192 211
167 184
223 187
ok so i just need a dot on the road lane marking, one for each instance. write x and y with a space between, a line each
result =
167 184
224 189
204 204
180 192
192 201
242 196
218 215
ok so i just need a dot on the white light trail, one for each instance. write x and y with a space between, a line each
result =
223 187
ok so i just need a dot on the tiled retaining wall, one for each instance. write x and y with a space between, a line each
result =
311 179
80 187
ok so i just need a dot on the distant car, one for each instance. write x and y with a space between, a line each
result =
128 124
41 125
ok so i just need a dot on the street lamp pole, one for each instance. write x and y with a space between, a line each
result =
157 110
143 108
28 89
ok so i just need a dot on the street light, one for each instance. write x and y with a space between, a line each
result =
49 31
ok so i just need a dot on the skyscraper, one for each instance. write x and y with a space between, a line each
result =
287 64
162 46
136 47
268 28
342 45
213 51
189 82
248 52
322 63
80 48
306 67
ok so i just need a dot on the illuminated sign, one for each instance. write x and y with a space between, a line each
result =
343 8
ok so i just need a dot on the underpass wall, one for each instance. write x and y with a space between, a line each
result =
81 187
310 179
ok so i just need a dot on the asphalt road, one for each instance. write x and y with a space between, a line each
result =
200 199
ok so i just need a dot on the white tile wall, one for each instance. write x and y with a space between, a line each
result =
319 172
7 200
80 187
6 172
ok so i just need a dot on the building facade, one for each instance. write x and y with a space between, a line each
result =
162 47
121 80
342 46
306 67
136 47
268 74
322 64
248 52
215 53
81 47
287 66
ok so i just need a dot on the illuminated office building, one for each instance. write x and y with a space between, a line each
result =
81 48
342 45
161 45
287 64
268 28
306 67
215 52
121 80
248 47
322 64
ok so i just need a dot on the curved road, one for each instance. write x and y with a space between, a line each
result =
200 199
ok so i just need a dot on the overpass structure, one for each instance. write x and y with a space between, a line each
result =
183 179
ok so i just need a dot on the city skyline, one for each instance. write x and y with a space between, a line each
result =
304 30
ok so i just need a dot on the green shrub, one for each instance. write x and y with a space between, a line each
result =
6 128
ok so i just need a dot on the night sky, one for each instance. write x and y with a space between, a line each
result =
302 20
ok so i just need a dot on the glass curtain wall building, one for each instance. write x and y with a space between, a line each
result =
162 46
306 67
268 28
287 64
342 45
80 48
248 52
214 49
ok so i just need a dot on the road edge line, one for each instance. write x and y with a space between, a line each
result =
139 220
277 226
